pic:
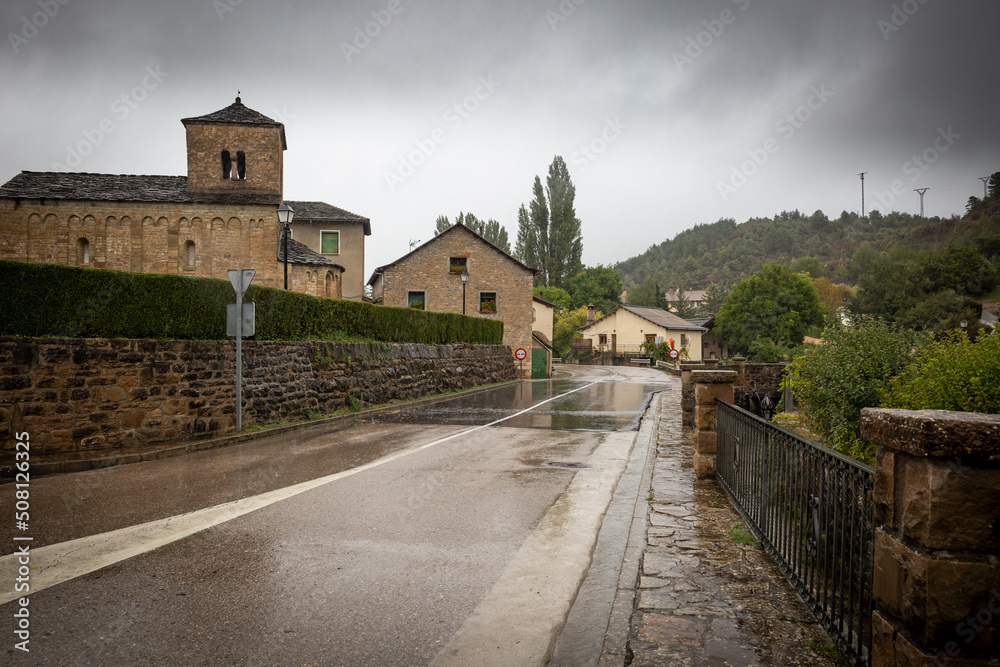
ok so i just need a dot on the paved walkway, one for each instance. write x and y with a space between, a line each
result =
705 596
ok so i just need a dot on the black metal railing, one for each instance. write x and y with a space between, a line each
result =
811 508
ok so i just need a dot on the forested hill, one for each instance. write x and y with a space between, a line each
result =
728 252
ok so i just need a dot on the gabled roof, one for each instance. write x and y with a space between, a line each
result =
692 295
317 211
543 302
657 316
299 253
238 114
450 230
542 339
121 187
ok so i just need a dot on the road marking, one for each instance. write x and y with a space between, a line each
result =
519 619
57 563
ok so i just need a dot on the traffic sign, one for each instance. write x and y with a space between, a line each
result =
520 355
249 317
241 279
674 354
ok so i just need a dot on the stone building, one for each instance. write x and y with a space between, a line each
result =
221 216
430 277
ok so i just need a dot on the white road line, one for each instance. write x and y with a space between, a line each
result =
57 563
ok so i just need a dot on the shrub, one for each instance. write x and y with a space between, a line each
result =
951 373
834 381
54 300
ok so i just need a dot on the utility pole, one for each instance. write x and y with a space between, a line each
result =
921 191
985 180
862 175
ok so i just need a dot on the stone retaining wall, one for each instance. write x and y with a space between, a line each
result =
77 395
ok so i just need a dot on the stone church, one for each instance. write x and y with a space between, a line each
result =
222 215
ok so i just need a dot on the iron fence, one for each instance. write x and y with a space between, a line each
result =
811 508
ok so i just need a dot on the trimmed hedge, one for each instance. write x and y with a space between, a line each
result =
69 301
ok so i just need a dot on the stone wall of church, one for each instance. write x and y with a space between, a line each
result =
186 239
264 157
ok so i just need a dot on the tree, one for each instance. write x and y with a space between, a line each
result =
549 235
491 230
809 265
681 305
715 295
567 327
599 286
772 305
832 295
647 294
557 296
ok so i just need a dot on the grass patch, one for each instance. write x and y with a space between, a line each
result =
265 427
742 535
830 651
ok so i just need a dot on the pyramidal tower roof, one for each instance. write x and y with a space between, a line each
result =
239 114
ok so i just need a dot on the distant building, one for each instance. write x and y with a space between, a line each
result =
627 328
713 346
221 216
430 278
695 297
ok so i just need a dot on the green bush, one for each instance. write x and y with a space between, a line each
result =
834 381
951 373
54 300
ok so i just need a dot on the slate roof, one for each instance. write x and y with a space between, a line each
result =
238 114
657 316
121 187
381 269
299 253
317 211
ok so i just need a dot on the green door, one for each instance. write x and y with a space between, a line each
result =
539 363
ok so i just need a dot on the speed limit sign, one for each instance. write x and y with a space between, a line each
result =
520 355
674 354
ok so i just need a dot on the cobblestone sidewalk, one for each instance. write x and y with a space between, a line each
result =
707 594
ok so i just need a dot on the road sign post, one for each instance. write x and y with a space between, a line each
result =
240 280
520 355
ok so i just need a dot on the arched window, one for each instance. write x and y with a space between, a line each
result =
227 165
83 252
330 285
189 252
241 165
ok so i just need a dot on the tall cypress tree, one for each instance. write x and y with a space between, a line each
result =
549 238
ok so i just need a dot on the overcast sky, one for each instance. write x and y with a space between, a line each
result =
669 113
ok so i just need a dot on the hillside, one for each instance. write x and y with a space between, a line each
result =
728 252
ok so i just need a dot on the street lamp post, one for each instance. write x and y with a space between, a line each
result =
465 279
285 215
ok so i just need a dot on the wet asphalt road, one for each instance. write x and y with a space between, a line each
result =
380 567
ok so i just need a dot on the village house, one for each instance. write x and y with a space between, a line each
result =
222 215
626 329
459 271
695 298
713 346
541 334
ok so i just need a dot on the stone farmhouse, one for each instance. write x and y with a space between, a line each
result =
625 329
430 277
222 215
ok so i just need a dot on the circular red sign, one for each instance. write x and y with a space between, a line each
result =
520 355
674 354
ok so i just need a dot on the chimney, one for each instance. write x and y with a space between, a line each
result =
590 314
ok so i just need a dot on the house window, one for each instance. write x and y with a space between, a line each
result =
227 165
458 264
651 339
330 242
83 252
189 252
602 339
684 340
416 300
487 302
241 165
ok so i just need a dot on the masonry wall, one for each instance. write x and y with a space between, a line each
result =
260 143
103 395
489 271
154 238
